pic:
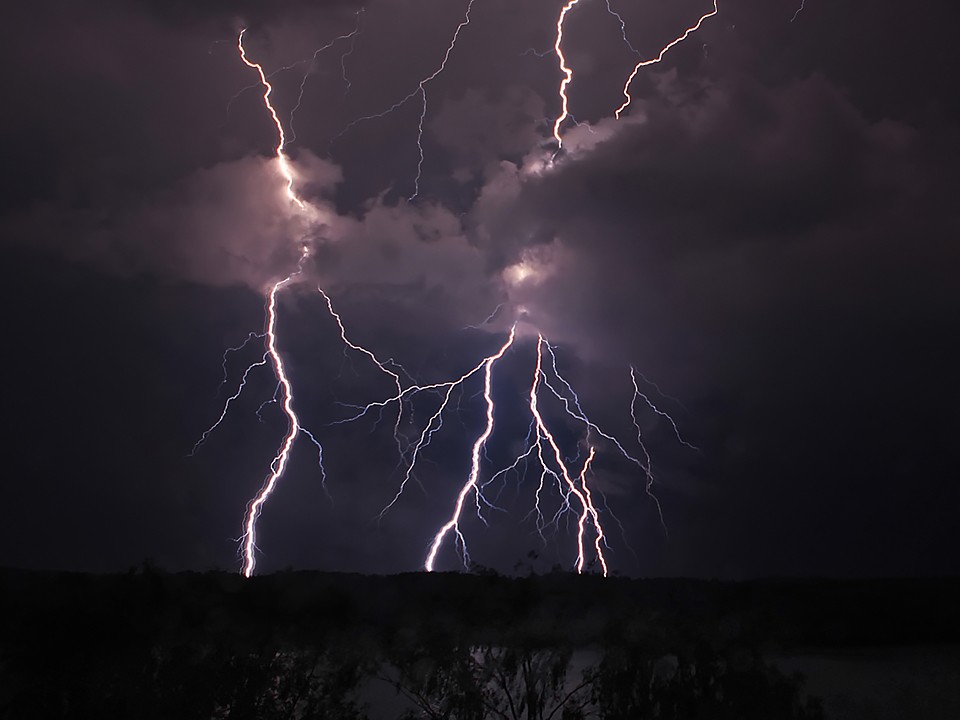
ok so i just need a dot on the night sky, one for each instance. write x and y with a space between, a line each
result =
769 233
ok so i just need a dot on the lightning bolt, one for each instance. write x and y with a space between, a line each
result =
567 73
284 389
282 161
303 83
576 495
349 52
279 464
272 354
623 28
411 453
574 487
534 51
586 502
570 485
420 90
359 348
226 407
799 10
659 58
471 485
487 320
381 365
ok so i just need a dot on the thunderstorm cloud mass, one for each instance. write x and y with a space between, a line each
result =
743 260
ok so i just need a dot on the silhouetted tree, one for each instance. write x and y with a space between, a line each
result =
633 683
476 682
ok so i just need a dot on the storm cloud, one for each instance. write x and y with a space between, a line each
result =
769 232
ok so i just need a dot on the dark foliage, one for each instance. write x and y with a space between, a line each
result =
149 644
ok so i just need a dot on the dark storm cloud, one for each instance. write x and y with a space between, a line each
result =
217 226
151 176
415 262
748 181
479 129
151 173
182 13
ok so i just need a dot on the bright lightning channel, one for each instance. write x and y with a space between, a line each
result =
659 58
575 493
282 161
454 522
586 501
567 73
572 486
279 463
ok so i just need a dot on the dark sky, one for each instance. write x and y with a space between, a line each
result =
769 233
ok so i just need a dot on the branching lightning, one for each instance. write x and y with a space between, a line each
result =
226 354
471 485
583 493
541 442
579 500
420 90
352 35
567 72
279 464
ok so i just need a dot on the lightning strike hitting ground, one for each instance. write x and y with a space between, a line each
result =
285 391
411 453
586 502
659 58
471 484
637 393
542 446
568 72
490 318
571 487
279 463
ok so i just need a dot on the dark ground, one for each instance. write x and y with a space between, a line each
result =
307 644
